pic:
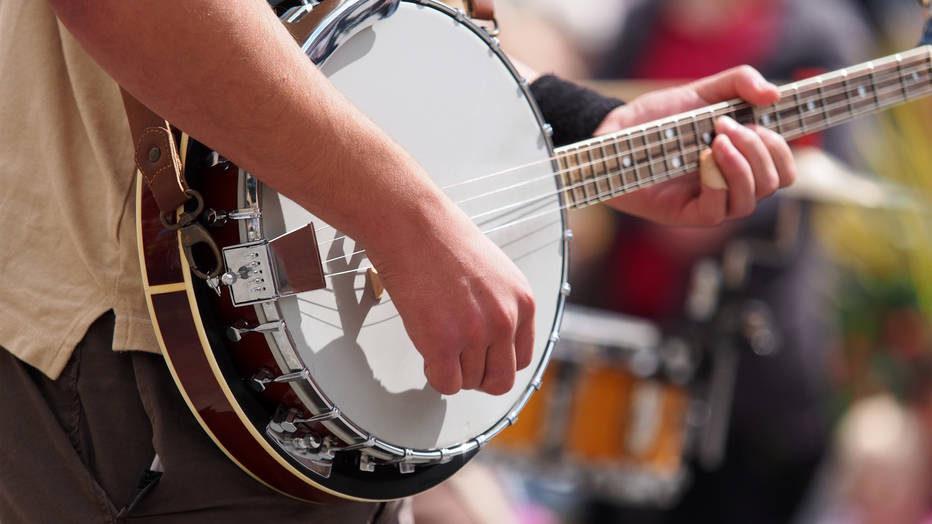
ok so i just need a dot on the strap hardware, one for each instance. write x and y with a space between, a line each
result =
193 234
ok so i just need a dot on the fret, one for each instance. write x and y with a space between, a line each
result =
587 175
610 163
799 111
572 160
694 118
779 121
628 163
925 71
786 113
820 93
696 138
597 168
664 135
899 74
674 162
847 88
917 78
705 133
681 147
686 139
583 178
640 156
928 59
873 82
563 166
813 119
600 168
765 116
620 171
835 99
651 155
888 88
863 100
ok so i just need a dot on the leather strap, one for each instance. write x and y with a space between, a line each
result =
156 155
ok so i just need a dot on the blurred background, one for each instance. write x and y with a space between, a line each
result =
776 369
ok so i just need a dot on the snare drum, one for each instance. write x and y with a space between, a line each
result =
605 416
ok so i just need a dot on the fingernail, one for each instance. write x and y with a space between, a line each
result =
728 123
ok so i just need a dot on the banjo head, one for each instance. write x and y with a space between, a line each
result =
452 103
357 419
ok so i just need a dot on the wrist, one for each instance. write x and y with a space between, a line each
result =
574 112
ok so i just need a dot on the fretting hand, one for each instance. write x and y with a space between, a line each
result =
754 161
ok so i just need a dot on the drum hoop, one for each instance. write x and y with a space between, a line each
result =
322 41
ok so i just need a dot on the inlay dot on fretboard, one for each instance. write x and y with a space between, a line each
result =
915 76
676 162
706 138
626 161
862 91
810 105
670 133
765 119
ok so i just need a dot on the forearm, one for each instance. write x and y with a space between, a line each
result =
231 76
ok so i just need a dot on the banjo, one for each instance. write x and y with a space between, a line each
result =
302 373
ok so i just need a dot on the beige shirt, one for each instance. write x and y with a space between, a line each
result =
66 196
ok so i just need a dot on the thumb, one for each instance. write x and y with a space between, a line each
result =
712 203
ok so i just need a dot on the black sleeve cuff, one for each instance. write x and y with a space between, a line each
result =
573 111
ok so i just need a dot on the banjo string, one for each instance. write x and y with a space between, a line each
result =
613 191
881 78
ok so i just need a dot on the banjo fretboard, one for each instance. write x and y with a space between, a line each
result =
618 163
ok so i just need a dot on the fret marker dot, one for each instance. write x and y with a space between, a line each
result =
626 161
810 105
669 133
862 91
915 76
707 138
765 120
676 161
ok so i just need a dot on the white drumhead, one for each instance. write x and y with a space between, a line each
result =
443 94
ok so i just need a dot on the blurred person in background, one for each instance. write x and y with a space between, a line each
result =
779 430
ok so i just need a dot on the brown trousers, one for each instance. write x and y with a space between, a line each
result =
73 449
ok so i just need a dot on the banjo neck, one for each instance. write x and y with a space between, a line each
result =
615 164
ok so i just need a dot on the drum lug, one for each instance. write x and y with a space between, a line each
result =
235 332
537 383
366 463
261 379
309 450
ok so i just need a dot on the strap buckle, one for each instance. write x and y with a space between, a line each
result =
193 233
